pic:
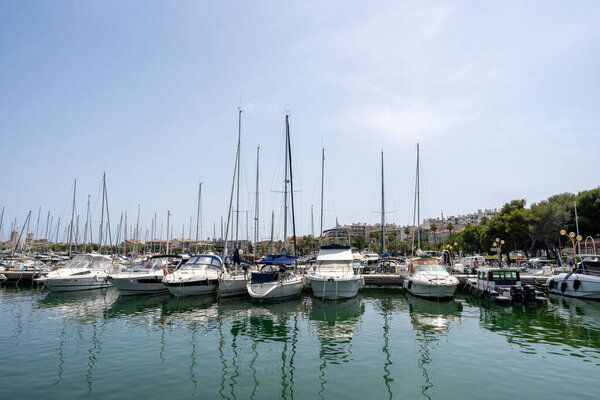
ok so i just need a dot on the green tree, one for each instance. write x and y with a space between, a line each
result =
358 241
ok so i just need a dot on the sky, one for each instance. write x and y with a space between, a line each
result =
502 97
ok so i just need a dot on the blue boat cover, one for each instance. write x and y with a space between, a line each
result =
281 259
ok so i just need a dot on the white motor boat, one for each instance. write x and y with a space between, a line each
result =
333 276
429 279
147 277
275 281
583 282
82 272
199 275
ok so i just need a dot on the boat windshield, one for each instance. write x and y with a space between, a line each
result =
198 262
87 261
159 263
504 276
430 268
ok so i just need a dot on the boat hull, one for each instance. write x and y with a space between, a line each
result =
75 284
429 290
276 290
230 287
588 286
129 286
193 287
333 289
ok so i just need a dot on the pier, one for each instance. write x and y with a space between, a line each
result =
373 281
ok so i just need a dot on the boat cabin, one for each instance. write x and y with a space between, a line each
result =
490 278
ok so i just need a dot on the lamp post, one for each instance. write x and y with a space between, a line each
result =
498 245
574 240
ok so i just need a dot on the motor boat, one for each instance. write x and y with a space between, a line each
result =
333 276
429 279
503 285
583 282
199 275
146 277
275 280
82 272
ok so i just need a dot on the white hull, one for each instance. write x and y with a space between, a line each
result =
230 286
427 289
588 286
287 288
138 284
74 284
335 288
186 289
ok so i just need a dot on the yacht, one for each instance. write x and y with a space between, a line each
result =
583 282
82 272
146 277
429 279
275 281
199 275
503 285
333 276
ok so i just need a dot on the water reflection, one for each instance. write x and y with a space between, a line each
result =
335 323
84 306
571 326
431 319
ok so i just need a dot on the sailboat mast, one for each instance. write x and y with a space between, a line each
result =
382 208
137 230
322 186
287 128
237 157
198 214
285 185
272 225
418 202
102 215
72 217
256 201
237 207
37 225
168 224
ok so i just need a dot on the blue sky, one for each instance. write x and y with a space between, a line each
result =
502 96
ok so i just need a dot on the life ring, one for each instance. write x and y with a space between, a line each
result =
551 285
563 286
576 284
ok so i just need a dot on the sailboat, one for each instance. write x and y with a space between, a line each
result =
276 280
427 277
234 276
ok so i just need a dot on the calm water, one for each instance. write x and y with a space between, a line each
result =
383 344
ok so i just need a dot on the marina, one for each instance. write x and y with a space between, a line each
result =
97 344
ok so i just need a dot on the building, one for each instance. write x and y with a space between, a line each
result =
460 220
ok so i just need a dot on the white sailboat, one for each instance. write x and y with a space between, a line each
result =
426 276
198 276
333 276
276 279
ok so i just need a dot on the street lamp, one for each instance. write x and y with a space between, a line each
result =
574 240
498 245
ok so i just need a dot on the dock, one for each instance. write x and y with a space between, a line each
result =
22 277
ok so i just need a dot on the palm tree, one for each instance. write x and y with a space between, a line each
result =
434 229
450 228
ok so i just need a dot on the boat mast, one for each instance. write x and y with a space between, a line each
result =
285 185
37 225
72 217
418 202
137 231
382 209
256 201
272 224
168 218
287 129
21 234
322 180
237 206
102 214
2 219
87 218
237 157
198 214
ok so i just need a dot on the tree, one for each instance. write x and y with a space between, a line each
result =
588 212
358 241
433 230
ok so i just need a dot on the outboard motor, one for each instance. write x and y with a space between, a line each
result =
516 294
529 294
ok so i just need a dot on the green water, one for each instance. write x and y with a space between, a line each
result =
380 345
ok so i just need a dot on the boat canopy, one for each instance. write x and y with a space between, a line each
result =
281 259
